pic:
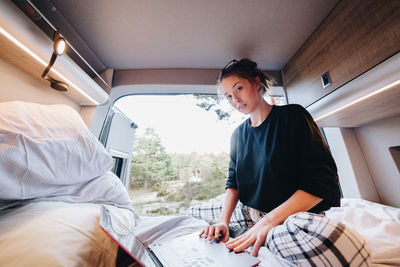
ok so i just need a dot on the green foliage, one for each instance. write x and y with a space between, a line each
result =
162 211
214 170
176 196
151 165
162 193
176 177
213 102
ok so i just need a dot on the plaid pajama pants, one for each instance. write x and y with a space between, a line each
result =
304 238
211 211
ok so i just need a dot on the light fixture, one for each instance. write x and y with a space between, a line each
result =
41 61
59 48
34 45
380 90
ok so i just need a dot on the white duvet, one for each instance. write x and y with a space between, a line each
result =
378 224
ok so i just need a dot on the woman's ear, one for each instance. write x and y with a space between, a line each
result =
257 82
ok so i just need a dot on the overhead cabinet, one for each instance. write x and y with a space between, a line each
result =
356 36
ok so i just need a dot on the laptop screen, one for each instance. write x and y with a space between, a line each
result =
126 238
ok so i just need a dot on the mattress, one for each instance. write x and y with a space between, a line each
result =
54 234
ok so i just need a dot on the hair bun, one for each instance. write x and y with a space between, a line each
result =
248 63
245 68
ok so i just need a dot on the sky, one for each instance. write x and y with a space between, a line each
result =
182 126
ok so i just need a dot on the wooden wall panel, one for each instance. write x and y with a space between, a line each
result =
356 36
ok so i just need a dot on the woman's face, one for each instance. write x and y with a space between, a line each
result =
241 93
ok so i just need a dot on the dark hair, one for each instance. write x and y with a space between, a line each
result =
247 69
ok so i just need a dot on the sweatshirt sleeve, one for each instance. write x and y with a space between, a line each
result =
316 167
231 181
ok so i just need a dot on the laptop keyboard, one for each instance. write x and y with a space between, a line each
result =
181 255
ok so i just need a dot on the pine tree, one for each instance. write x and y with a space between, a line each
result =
151 165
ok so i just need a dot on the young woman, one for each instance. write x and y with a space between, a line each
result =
279 162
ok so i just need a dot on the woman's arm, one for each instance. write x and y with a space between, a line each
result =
299 201
222 226
231 199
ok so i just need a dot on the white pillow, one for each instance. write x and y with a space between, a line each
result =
43 147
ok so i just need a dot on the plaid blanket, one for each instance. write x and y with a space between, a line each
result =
305 239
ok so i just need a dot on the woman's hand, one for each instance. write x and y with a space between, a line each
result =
215 230
255 235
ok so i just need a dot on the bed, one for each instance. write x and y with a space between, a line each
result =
67 234
54 234
55 178
378 224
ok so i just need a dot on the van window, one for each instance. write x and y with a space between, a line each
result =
180 152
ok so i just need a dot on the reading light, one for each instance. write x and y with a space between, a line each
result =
59 48
40 60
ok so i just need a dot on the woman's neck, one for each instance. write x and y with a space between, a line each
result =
260 113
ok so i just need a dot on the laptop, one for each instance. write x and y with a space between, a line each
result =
186 250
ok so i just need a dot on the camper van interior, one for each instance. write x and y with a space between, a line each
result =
66 148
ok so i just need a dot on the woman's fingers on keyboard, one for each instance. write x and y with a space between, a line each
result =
208 232
201 233
204 233
211 232
221 233
217 232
